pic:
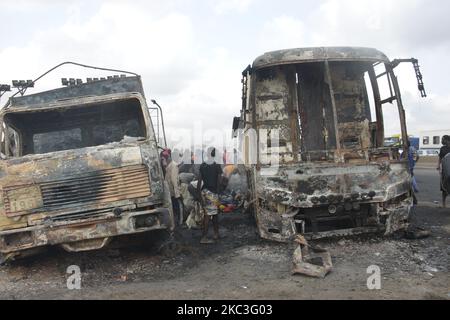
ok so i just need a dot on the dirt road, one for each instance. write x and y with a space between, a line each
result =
242 266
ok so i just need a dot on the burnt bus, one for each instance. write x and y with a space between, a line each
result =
79 165
311 131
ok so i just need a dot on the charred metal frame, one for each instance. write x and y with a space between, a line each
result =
366 184
80 198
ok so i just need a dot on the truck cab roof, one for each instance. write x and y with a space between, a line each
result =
97 88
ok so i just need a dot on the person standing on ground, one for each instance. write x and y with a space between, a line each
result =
443 167
414 231
172 179
210 176
411 164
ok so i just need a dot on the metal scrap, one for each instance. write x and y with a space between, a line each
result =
310 260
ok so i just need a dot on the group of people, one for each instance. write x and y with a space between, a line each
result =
209 184
211 180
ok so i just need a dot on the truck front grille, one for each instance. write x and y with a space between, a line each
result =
99 186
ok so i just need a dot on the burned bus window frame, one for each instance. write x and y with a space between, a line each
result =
332 141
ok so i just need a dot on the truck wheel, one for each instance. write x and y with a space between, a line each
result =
165 242
170 248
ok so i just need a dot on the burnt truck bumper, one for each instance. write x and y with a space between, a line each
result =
325 200
383 219
87 235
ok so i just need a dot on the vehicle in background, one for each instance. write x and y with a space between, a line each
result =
414 141
396 141
393 141
316 160
79 165
428 153
431 140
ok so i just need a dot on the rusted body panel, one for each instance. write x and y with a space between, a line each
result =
321 168
103 180
314 54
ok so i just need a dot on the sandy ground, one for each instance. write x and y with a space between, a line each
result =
242 266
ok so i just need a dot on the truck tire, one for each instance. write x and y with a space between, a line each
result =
165 242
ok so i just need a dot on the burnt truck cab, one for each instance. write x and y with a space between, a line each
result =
313 143
79 165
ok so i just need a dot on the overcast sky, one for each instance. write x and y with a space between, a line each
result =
191 53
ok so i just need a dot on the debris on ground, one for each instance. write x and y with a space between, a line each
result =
408 267
310 260
417 233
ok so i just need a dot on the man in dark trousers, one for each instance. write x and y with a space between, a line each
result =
171 176
209 186
411 155
444 168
